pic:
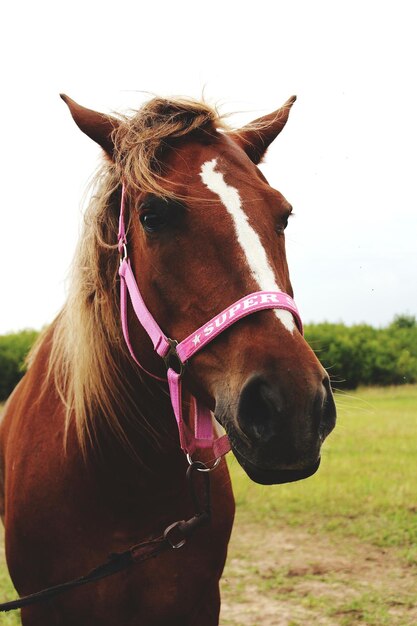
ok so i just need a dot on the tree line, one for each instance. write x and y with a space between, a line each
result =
364 355
353 355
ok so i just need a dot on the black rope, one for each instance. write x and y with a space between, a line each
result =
174 536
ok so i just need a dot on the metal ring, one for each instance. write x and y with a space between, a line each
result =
179 543
205 468
172 359
124 257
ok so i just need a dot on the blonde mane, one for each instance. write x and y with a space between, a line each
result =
89 360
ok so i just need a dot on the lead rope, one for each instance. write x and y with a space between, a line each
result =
174 537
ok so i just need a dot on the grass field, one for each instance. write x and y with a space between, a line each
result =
339 548
367 484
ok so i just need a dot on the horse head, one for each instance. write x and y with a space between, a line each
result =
205 230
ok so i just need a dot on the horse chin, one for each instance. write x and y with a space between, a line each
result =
275 476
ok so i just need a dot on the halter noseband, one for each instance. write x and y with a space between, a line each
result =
176 354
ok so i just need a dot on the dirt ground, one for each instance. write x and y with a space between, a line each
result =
288 577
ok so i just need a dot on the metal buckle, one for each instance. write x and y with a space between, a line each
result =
124 256
172 360
202 467
171 542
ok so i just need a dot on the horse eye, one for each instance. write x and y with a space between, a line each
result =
283 222
281 226
152 222
156 213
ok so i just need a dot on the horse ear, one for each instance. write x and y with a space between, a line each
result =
255 138
98 126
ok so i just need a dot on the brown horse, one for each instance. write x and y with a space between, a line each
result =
90 459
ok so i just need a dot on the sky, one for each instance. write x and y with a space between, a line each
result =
346 160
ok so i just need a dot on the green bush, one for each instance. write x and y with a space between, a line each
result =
13 350
363 355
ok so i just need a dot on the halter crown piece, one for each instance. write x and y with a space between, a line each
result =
176 354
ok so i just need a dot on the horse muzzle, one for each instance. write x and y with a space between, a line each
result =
276 434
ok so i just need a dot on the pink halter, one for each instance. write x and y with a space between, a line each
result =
177 354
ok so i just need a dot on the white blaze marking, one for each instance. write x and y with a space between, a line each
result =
247 237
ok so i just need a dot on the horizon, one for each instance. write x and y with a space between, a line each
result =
305 324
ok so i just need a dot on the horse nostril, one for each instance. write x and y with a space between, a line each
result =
266 416
328 411
259 406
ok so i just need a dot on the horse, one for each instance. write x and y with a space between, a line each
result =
91 460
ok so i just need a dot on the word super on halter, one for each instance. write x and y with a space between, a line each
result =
180 315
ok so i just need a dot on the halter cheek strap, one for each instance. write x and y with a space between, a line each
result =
177 354
203 436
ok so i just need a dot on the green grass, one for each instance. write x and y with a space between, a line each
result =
364 495
7 592
366 486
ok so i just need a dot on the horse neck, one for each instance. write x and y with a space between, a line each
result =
141 451
145 449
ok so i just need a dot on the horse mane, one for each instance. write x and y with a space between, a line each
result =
89 359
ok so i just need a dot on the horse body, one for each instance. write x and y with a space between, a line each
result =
90 457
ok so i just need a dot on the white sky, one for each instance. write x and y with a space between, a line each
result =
346 160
